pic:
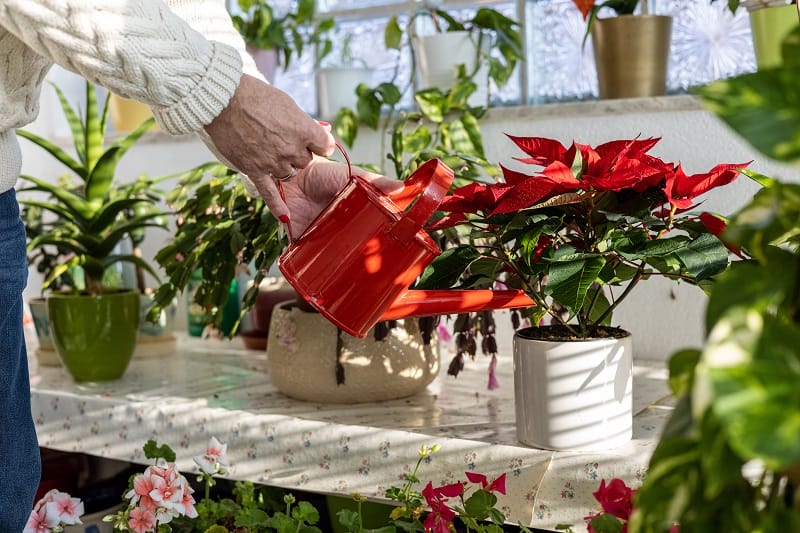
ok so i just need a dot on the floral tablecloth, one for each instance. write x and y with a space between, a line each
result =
217 388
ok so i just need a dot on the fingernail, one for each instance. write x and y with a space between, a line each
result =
284 219
323 123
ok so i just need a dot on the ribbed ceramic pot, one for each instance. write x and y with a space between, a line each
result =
631 54
94 336
573 395
302 359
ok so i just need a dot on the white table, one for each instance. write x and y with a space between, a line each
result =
214 387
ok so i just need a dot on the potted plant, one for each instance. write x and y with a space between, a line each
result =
489 39
93 326
735 395
337 80
770 22
273 39
578 235
221 229
44 260
631 50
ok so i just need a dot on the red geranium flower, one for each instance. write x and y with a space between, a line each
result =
616 498
498 484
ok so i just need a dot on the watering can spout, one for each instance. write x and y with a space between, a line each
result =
419 303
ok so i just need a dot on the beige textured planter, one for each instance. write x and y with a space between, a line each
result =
301 358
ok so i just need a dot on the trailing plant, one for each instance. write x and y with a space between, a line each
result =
289 33
221 229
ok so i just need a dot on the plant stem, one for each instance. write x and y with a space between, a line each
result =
636 278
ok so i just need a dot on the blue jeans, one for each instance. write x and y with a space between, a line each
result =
19 448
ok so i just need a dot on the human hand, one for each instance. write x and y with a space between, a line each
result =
263 133
313 187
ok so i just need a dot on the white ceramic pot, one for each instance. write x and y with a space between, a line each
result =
301 359
336 88
266 61
439 55
45 351
573 395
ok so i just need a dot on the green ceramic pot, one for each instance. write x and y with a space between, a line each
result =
94 335
770 26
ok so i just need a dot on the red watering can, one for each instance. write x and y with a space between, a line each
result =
356 260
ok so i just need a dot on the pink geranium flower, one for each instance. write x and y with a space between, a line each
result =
141 520
54 510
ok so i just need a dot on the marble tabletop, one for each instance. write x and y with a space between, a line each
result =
218 388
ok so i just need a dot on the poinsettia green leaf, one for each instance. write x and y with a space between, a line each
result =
568 282
595 306
447 268
704 256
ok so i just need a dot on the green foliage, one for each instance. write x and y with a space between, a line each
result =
221 229
501 57
90 217
289 34
153 451
729 457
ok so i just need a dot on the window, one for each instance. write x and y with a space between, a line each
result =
708 42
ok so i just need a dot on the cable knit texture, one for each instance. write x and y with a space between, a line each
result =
185 67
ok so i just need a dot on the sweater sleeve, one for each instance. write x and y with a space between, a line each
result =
139 49
212 20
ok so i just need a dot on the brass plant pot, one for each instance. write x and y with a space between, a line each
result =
631 53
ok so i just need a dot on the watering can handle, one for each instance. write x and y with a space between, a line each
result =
429 185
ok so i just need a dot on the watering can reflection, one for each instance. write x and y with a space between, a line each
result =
357 259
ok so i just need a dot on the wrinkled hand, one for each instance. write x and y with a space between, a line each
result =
262 133
313 187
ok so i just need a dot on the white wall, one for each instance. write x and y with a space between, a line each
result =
663 316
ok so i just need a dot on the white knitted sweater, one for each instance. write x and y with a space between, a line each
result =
182 57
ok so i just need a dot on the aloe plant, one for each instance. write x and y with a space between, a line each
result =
91 219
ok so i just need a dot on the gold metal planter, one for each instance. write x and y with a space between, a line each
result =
631 53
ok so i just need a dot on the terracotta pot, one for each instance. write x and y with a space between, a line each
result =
302 359
573 394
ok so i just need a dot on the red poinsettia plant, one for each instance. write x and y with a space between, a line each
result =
580 232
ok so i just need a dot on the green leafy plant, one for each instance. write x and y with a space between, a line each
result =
221 230
384 99
90 218
289 34
728 459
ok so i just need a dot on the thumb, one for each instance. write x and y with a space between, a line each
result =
268 190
